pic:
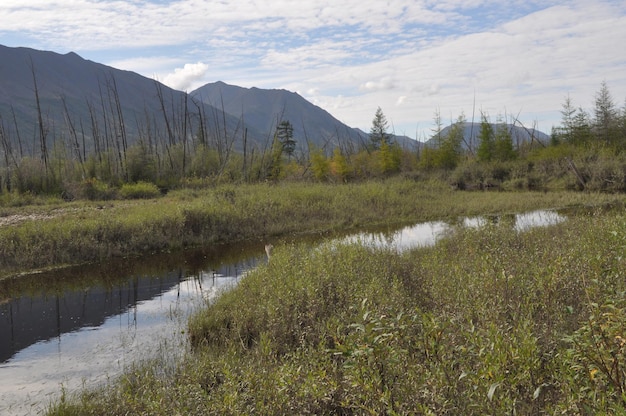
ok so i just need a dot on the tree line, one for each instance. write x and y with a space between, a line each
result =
183 146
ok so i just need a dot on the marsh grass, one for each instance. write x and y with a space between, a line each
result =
487 321
56 233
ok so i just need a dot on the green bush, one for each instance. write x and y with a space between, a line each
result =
139 190
17 199
596 375
95 190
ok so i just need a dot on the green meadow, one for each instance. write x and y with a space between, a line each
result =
49 233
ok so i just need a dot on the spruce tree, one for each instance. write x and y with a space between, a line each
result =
378 132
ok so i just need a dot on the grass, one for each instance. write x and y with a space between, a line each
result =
488 321
55 233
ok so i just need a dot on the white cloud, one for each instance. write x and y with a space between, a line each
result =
383 84
185 77
527 66
410 57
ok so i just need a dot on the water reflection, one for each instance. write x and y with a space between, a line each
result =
427 234
533 219
85 327
28 320
418 235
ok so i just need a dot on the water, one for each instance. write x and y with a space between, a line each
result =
428 233
86 329
88 324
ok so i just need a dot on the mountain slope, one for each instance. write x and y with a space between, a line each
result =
265 109
101 101
93 106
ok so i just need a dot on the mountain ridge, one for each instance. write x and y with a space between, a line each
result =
97 96
266 108
125 102
140 105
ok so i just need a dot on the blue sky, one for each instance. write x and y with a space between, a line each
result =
412 58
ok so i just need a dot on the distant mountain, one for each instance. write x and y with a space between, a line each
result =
471 132
97 100
265 109
90 105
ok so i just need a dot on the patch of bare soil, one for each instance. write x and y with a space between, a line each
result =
18 218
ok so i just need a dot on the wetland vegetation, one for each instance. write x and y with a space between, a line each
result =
490 320
58 233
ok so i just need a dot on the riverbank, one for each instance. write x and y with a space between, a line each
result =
55 234
488 321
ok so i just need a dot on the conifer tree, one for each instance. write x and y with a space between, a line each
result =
568 112
606 116
503 144
378 132
449 153
284 133
487 140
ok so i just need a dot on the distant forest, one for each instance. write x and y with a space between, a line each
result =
586 152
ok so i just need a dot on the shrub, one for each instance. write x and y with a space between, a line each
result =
16 199
139 190
95 190
596 375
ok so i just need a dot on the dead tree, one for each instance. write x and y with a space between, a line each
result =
41 130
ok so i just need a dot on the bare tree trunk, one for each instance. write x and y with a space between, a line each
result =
228 143
17 133
42 130
82 133
201 120
580 178
170 134
8 153
184 138
115 128
122 129
73 135
245 150
107 134
95 131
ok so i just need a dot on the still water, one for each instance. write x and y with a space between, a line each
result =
83 326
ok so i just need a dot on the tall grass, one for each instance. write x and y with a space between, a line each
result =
488 321
70 233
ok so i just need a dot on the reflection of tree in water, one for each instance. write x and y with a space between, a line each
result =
44 306
33 318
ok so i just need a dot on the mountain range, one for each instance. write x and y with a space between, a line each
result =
97 101
66 97
265 109
82 98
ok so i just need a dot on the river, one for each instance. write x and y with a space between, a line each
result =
79 327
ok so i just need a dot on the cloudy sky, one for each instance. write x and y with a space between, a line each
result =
412 58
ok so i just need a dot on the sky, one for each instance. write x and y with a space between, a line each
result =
508 59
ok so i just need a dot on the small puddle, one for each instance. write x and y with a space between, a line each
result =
428 233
